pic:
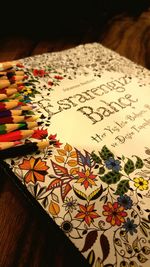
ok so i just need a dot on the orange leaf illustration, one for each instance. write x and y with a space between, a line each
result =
74 171
54 208
61 152
56 183
68 147
72 163
59 159
73 154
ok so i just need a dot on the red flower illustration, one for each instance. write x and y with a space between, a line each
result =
86 178
40 134
50 83
39 73
115 213
19 65
87 213
58 77
37 169
54 141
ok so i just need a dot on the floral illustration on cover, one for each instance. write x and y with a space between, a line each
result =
98 199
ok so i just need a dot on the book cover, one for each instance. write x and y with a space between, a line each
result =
94 183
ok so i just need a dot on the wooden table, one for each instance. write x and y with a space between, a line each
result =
26 239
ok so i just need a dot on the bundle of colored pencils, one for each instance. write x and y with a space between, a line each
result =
17 119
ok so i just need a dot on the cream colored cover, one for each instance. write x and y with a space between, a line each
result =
95 184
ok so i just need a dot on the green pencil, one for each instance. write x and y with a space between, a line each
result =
6 128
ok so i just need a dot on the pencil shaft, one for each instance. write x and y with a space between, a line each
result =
16 135
16 119
5 145
25 149
4 83
9 105
8 113
8 91
3 96
7 128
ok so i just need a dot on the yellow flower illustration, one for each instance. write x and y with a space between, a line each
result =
141 183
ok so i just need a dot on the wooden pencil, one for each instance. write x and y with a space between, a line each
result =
17 119
24 149
16 135
7 128
5 145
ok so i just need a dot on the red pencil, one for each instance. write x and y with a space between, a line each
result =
16 135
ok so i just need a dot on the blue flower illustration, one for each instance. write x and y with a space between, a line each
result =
130 226
125 201
113 164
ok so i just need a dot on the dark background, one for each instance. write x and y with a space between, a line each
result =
63 18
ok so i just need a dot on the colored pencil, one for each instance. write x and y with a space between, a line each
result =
6 65
9 105
19 98
8 91
16 135
5 145
3 96
17 119
7 128
16 78
12 112
11 73
4 83
3 77
25 149
26 107
15 95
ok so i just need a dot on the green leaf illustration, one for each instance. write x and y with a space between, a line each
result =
139 163
129 166
96 194
111 177
105 246
91 257
122 187
90 240
79 194
106 153
96 158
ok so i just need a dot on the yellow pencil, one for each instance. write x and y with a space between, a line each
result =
3 96
5 145
7 65
4 83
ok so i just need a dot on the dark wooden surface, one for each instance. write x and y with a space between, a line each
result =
26 240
